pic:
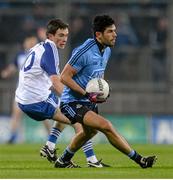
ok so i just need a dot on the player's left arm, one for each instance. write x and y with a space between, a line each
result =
9 71
57 85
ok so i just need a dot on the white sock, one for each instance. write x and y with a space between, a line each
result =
51 145
92 159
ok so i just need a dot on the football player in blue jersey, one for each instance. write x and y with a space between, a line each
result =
9 71
38 78
89 61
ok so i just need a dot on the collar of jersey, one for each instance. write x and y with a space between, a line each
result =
100 46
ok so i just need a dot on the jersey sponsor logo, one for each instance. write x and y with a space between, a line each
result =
97 73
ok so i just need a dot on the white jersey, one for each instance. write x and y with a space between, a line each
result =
34 82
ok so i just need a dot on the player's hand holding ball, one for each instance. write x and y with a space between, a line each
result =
95 97
97 90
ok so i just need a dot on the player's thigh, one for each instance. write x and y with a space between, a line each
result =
16 112
58 116
96 121
76 111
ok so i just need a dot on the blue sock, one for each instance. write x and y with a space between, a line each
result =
13 137
54 134
88 149
67 155
131 154
135 156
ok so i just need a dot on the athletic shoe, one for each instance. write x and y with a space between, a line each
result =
147 161
49 154
10 141
98 164
70 164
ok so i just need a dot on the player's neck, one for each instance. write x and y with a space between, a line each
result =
100 46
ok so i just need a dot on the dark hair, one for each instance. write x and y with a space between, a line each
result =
101 22
55 24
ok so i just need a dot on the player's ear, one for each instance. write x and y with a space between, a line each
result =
50 36
98 34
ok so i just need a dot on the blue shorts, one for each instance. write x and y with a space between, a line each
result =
42 110
75 111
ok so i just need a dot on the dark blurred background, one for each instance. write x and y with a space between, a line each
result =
141 68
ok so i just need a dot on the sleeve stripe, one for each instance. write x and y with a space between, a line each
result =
82 51
47 62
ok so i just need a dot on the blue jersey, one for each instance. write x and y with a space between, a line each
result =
89 63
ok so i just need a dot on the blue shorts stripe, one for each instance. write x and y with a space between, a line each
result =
70 111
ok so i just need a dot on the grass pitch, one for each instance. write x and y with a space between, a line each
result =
23 161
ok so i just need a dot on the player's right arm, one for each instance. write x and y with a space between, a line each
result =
48 63
67 79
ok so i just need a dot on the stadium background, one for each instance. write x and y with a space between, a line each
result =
139 72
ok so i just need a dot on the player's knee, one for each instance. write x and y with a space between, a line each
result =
93 133
77 127
84 136
60 126
90 133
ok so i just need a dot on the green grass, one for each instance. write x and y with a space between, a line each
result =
23 161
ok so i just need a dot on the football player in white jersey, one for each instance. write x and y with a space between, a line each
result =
40 73
10 70
39 77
